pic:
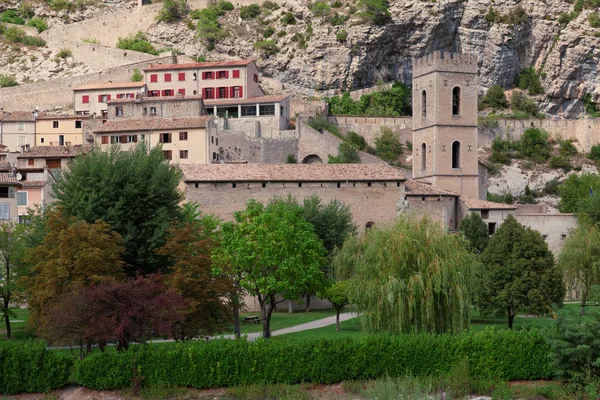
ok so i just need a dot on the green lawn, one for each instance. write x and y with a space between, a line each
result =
19 331
280 320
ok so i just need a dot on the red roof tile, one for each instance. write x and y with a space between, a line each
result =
32 184
476 204
150 124
198 65
18 116
421 187
289 172
55 152
251 100
110 85
8 178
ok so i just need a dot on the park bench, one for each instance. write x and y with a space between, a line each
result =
254 319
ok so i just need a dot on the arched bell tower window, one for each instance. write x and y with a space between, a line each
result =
423 157
424 104
456 154
456 101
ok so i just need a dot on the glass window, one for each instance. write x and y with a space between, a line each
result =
119 111
20 126
236 91
22 198
183 136
183 154
78 125
248 111
55 124
268 109
222 92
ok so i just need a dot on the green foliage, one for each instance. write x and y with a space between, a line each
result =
375 11
561 162
497 354
338 19
7 81
270 5
136 42
495 97
17 35
320 9
287 18
172 11
567 148
518 273
137 76
268 32
395 277
388 146
594 20
29 367
275 253
320 123
33 41
393 102
111 185
506 198
475 231
520 102
575 344
225 5
12 17
534 145
208 26
337 294
576 189
291 159
491 16
26 10
515 16
529 80
551 187
249 12
591 108
347 154
356 140
565 18
594 153
38 24
64 53
266 46
503 150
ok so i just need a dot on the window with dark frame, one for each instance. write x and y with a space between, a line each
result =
119 111
183 136
183 154
222 92
165 138
248 111
222 74
209 93
55 124
78 125
267 109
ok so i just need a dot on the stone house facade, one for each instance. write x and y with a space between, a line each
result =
92 99
17 129
156 107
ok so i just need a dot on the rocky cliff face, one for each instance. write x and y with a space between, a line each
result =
566 55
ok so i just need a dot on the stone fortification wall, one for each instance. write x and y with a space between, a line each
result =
257 127
29 30
370 127
102 57
356 94
58 94
236 146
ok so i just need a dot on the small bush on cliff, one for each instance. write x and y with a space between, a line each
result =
529 80
534 145
595 153
137 76
172 11
136 42
64 53
392 102
388 146
249 12
7 81
11 17
520 102
341 36
268 47
375 11
347 154
38 24
268 32
594 20
495 97
567 148
288 18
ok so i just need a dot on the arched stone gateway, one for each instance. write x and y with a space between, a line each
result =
312 159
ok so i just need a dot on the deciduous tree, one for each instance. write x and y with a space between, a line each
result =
135 192
518 273
12 265
409 277
337 294
275 252
475 231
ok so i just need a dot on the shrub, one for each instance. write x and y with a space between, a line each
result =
64 53
338 19
534 145
392 102
495 97
288 18
26 10
356 140
529 80
594 153
565 18
268 32
561 162
222 363
266 46
341 36
33 41
320 9
29 367
499 157
375 11
270 5
591 107
520 102
62 5
516 16
291 159
14 35
594 20
7 81
347 154
491 16
137 76
551 187
567 148
249 12
172 11
320 124
388 146
136 42
224 5
12 17
38 24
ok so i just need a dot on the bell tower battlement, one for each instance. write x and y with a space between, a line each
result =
445 117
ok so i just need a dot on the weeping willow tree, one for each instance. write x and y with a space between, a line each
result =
407 278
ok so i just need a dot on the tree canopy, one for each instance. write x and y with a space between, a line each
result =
394 102
576 189
476 232
518 273
409 277
275 253
135 192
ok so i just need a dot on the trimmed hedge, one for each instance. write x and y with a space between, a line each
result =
500 354
29 367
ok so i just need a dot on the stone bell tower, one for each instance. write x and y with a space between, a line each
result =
445 89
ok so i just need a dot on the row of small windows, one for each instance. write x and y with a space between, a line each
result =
455 102
455 155
205 75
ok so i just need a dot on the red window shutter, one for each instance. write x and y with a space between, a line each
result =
167 77
241 91
236 73
226 92
164 92
203 93
226 74
204 75
181 76
154 78
99 98
85 99
231 93
104 139
108 98
182 91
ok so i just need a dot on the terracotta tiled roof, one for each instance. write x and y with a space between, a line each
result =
61 116
148 99
289 172
150 124
198 65
251 100
8 178
55 151
33 183
108 85
18 116
419 187
4 166
476 204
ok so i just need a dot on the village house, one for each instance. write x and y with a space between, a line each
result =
17 129
183 140
156 107
91 99
59 130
